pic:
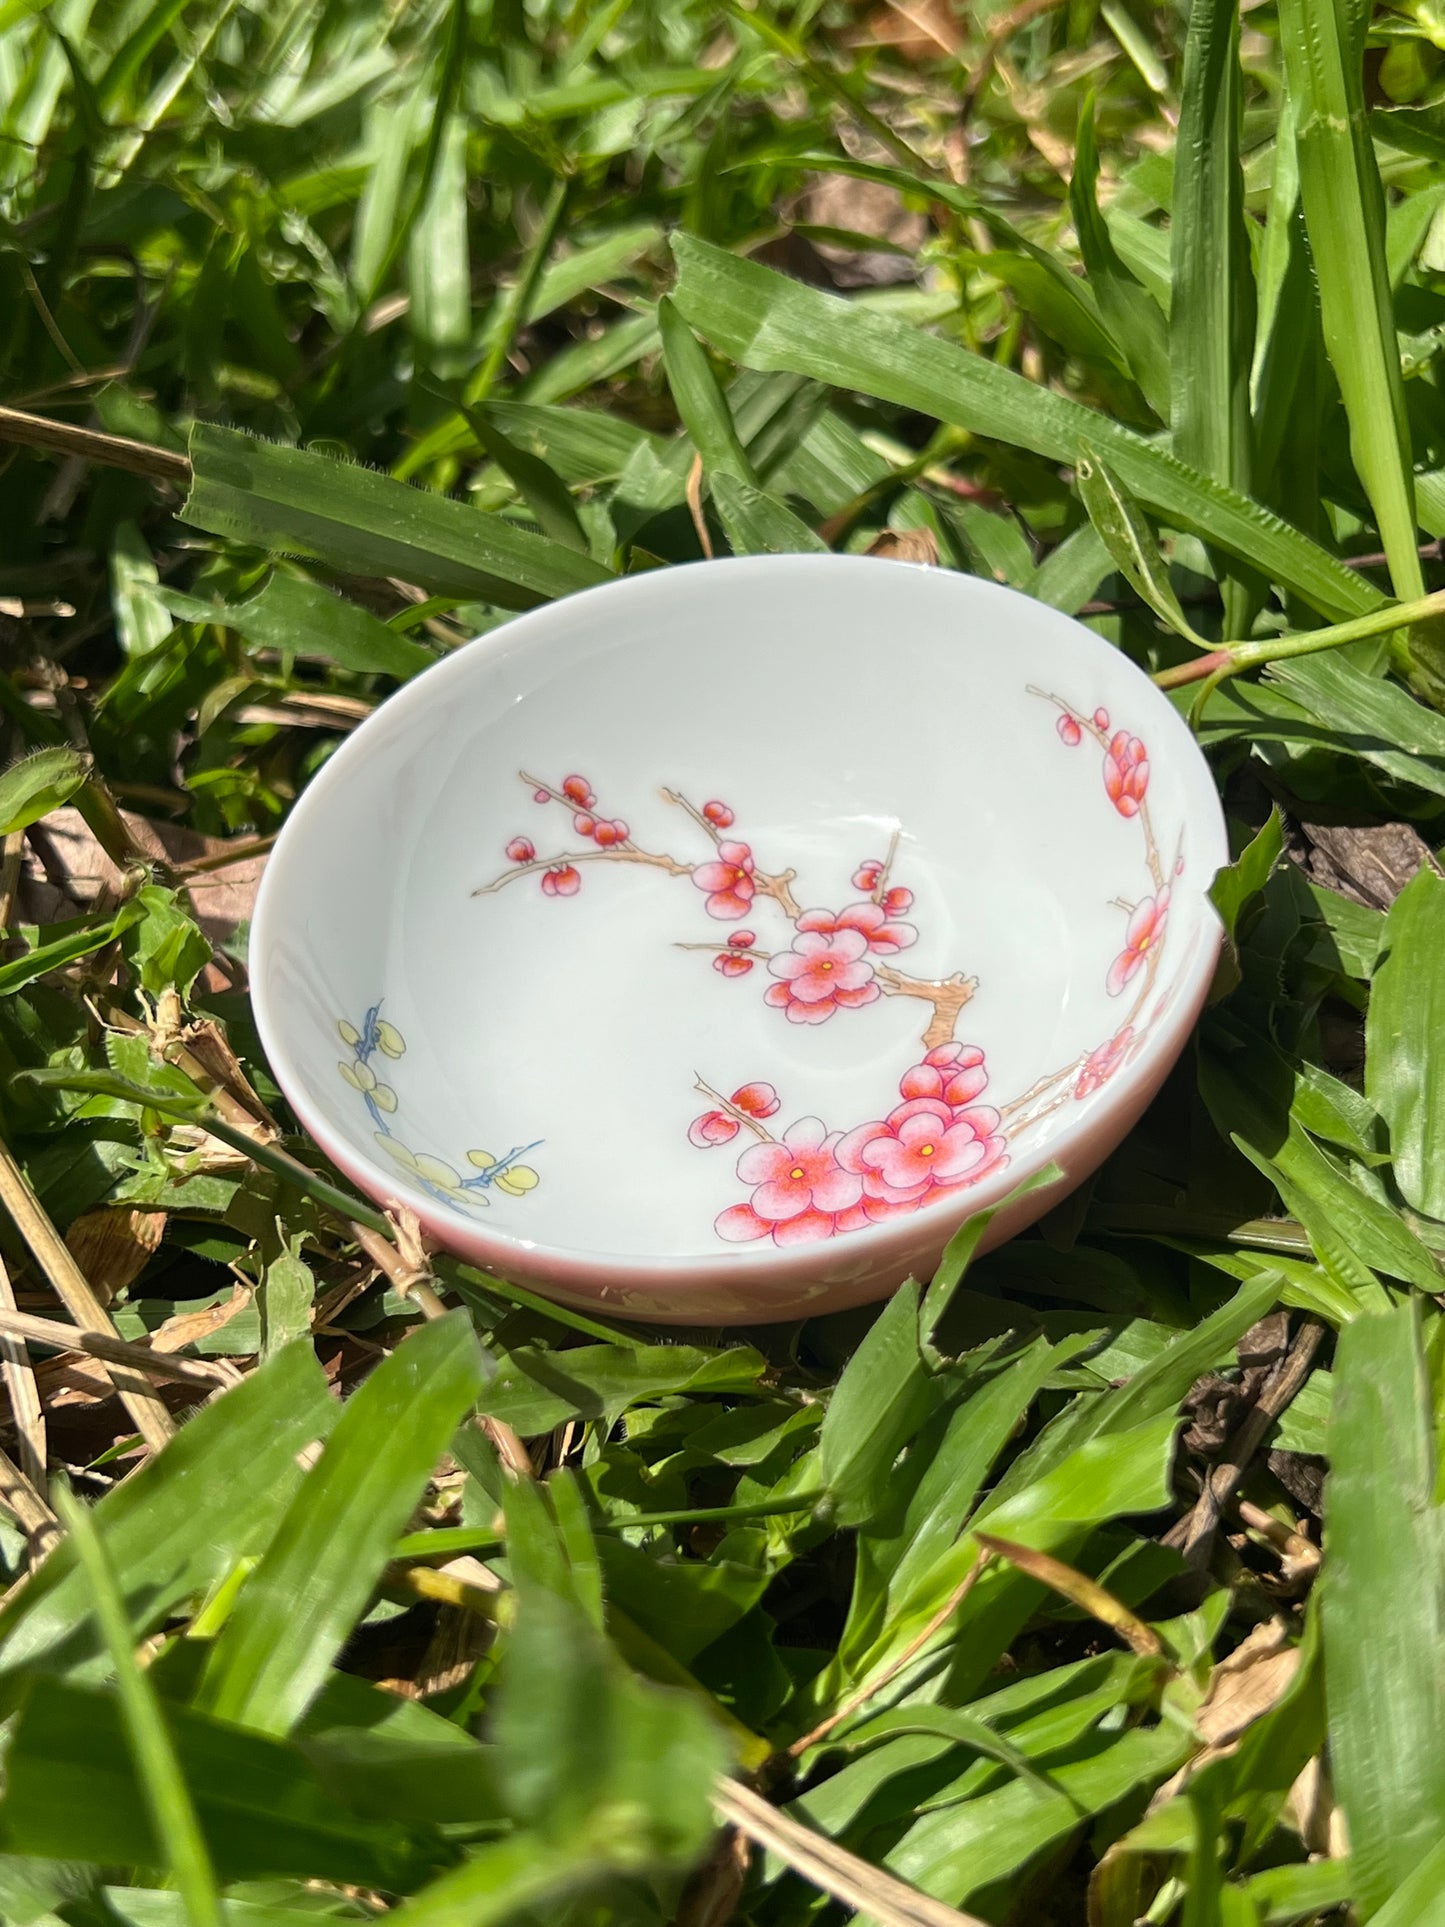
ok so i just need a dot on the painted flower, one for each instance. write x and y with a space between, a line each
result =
884 936
608 834
521 849
798 1175
953 1073
579 791
1145 933
718 814
729 964
389 1040
584 824
757 1099
541 796
742 939
348 1033
1101 719
897 900
866 876
824 970
515 1179
563 881
921 1148
728 881
1069 731
1100 1065
1126 772
716 1127
434 1175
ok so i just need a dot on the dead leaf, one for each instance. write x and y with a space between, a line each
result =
905 545
1242 1689
188 1327
113 1246
1369 863
865 208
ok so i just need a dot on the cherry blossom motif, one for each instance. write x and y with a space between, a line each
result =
1145 932
730 964
866 876
1070 731
541 796
579 791
741 939
1126 772
718 814
799 1178
920 1148
884 937
823 972
1101 1064
897 900
563 881
729 882
757 1099
521 849
1101 719
584 824
608 834
955 1073
716 1127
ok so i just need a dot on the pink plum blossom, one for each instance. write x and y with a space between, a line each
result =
866 876
741 939
713 1127
884 937
521 849
718 814
921 1147
757 1099
1100 1065
799 1174
608 834
728 881
729 964
824 971
1145 933
1126 772
954 1073
897 900
579 791
564 881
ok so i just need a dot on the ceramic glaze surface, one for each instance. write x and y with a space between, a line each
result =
714 943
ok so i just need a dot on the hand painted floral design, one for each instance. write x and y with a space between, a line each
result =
822 972
1144 934
1101 1064
814 1182
433 1175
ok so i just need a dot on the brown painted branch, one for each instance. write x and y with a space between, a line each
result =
729 1109
114 451
948 995
618 854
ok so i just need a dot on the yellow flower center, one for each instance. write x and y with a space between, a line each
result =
740 876
1144 942
826 966
926 1150
796 1172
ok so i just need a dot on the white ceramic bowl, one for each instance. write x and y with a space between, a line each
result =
708 946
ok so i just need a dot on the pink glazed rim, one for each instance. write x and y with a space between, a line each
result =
743 1284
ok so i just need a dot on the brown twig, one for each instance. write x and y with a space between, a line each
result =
151 1418
115 451
31 1512
694 506
25 1406
871 1687
1193 1535
115 1351
865 1889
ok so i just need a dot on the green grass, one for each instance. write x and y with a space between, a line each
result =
399 320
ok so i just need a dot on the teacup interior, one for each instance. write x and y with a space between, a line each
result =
624 928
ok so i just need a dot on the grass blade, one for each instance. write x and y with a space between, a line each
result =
1323 45
300 1603
1131 313
289 500
1211 319
768 322
1404 1075
1384 1604
157 1768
